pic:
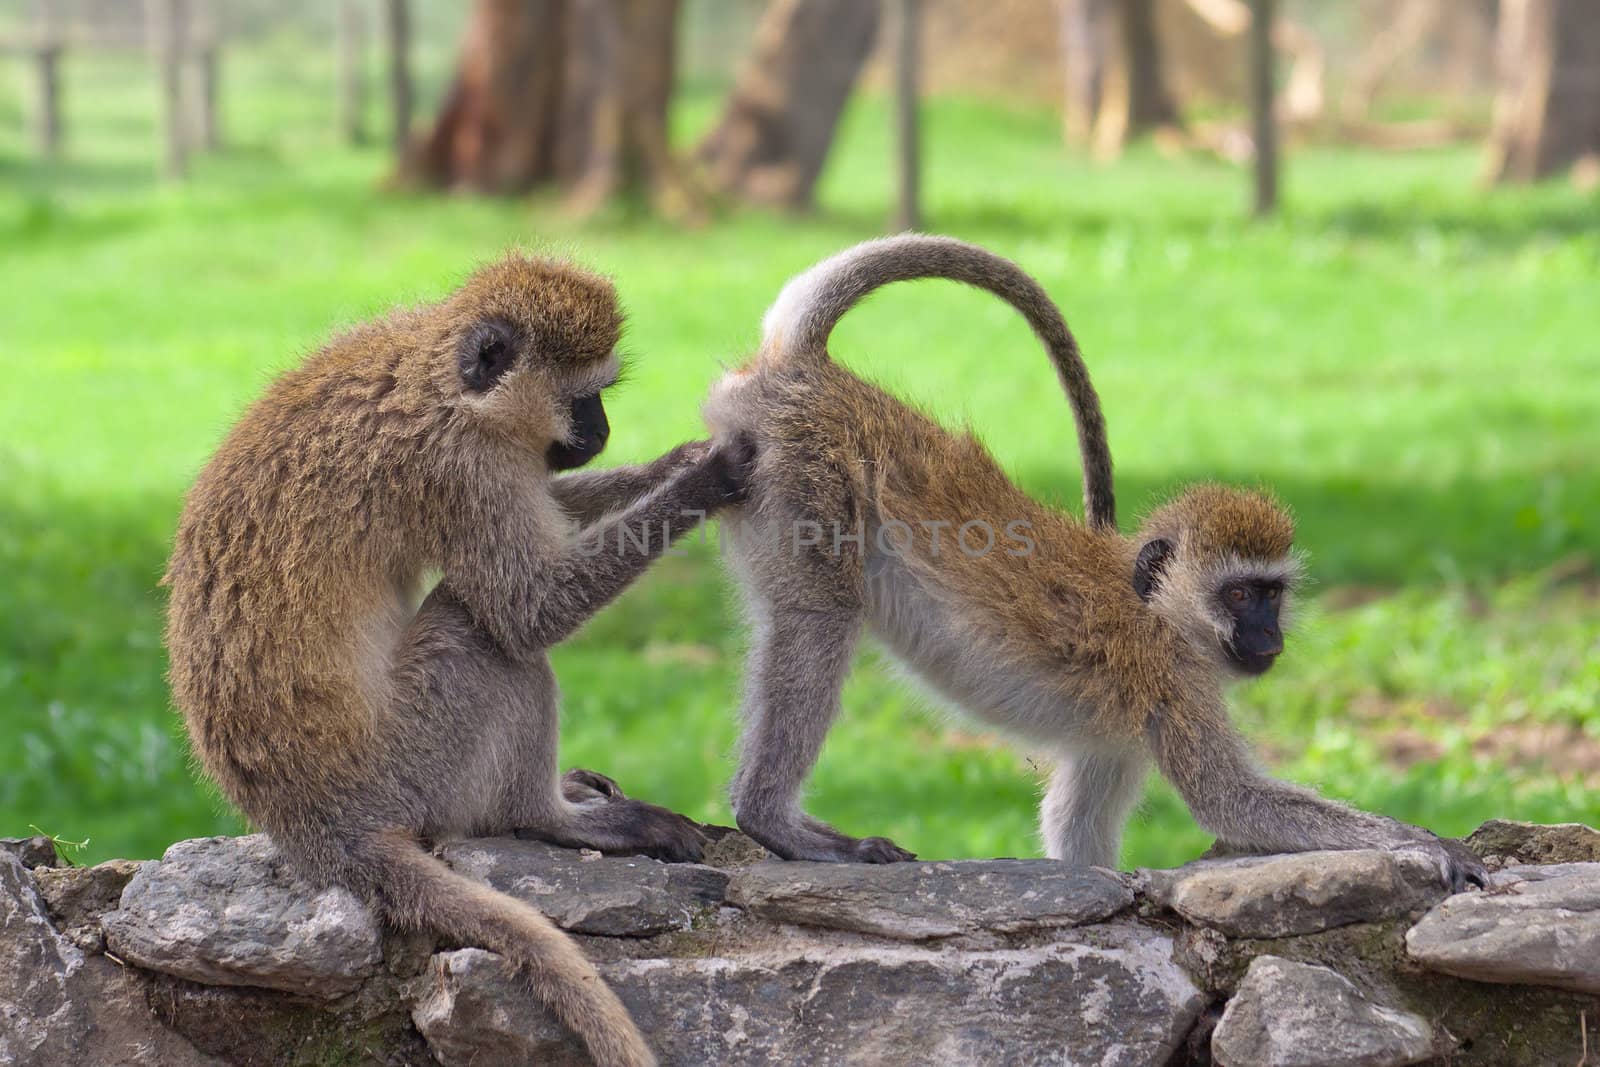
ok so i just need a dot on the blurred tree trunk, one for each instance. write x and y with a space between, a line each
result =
1084 48
1547 110
1116 81
779 121
567 91
1149 103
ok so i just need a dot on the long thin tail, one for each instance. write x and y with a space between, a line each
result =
797 326
418 891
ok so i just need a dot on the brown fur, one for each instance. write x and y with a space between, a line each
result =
352 726
1053 644
1220 520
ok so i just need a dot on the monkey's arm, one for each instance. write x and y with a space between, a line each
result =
529 594
589 495
1199 751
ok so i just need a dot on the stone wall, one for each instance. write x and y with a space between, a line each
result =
215 954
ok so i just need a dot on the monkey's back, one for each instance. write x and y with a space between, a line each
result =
837 449
292 541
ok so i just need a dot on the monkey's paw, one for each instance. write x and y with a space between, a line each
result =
654 831
1459 867
881 850
688 454
578 785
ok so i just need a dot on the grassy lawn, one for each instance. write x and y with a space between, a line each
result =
1410 362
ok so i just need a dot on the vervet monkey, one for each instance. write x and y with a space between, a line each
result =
1103 650
355 727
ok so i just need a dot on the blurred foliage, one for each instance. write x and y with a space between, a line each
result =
1409 362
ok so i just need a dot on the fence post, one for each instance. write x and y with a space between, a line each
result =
207 68
164 22
47 65
908 155
399 32
352 72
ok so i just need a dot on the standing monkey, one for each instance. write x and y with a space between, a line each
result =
1102 649
352 725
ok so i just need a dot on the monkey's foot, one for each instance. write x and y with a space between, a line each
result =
578 785
1459 866
817 841
610 822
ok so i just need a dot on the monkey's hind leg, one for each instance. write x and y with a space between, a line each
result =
483 729
797 666
1091 793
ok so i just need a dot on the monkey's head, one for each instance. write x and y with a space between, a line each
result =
528 346
1218 564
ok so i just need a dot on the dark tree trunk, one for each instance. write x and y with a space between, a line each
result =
573 92
1150 104
1547 111
779 122
496 131
614 136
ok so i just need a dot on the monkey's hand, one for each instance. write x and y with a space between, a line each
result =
1458 865
688 454
727 469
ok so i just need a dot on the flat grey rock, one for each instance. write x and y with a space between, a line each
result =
1298 893
228 911
1289 1014
1537 926
1118 1002
918 901
59 1005
612 896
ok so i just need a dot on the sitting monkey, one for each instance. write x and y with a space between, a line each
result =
355 727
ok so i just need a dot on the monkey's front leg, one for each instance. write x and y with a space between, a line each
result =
1199 752
589 495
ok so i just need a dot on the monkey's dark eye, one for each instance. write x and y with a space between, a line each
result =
1238 594
485 356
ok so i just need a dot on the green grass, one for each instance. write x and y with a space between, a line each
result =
1410 362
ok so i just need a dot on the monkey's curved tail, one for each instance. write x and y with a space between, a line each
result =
798 324
415 890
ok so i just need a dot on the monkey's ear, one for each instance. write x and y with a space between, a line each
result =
485 355
1153 558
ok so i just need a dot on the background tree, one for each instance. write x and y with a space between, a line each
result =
1084 46
1547 109
1115 72
778 124
573 92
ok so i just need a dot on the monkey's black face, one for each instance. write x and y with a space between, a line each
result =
589 432
1257 638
